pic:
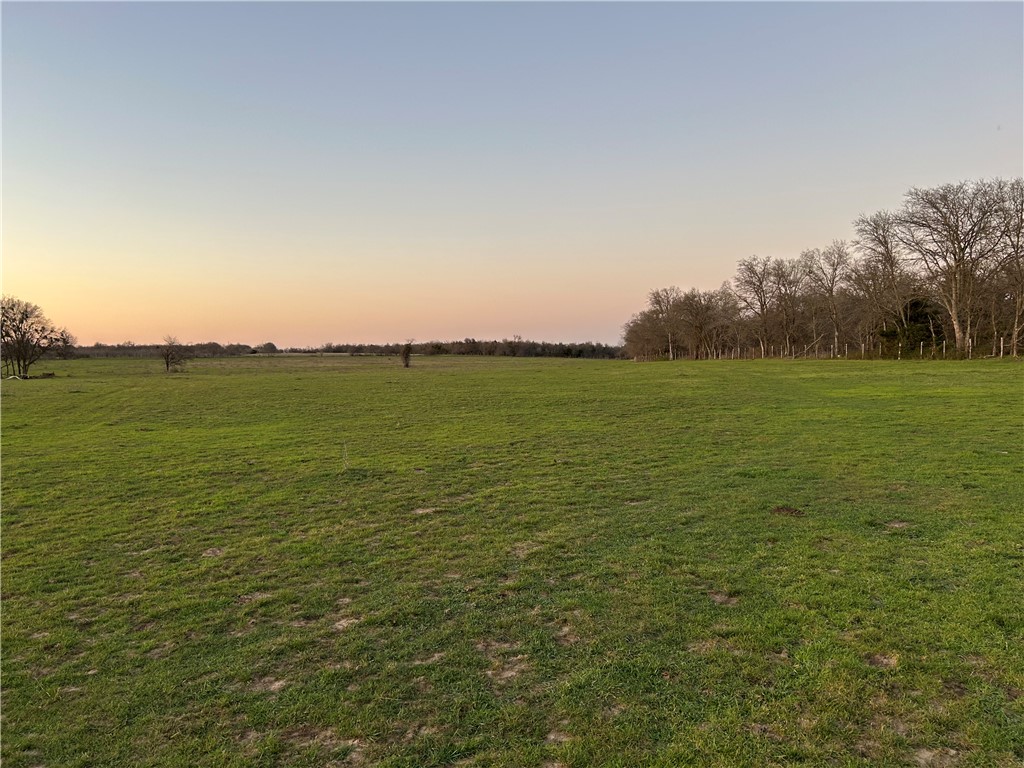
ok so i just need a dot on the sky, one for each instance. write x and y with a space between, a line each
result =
307 173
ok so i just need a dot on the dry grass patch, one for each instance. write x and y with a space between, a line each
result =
723 598
269 685
883 660
787 511
936 758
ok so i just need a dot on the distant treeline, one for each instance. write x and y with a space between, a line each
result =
514 347
204 349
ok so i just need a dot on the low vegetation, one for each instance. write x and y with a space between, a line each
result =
309 561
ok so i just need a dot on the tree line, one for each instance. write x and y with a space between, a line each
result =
945 269
514 347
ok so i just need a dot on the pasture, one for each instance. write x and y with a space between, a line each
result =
309 561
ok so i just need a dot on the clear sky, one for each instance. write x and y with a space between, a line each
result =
305 173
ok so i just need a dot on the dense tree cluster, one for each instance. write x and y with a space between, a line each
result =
947 266
26 334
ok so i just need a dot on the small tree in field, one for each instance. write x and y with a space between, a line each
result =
406 353
26 334
173 354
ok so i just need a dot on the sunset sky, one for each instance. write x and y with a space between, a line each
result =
306 173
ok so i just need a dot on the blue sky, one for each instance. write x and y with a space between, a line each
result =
339 171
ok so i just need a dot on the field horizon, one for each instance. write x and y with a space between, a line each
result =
308 560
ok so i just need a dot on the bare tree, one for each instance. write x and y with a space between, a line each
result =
26 334
826 271
756 294
665 312
173 354
951 232
1011 232
882 275
787 280
406 353
703 321
642 338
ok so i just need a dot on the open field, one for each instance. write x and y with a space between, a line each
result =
307 561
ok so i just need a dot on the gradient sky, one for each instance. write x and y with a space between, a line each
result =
306 173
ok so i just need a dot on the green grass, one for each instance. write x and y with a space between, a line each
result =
335 561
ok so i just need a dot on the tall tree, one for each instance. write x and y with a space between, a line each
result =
1011 233
664 304
882 276
827 271
26 334
788 280
951 232
755 292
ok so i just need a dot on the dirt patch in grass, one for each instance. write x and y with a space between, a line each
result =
508 669
161 650
723 598
213 552
897 524
765 731
269 685
308 736
883 660
936 758
566 635
418 732
252 597
557 737
433 659
504 665
345 622
424 510
524 549
787 511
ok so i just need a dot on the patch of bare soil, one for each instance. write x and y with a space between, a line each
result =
765 731
508 669
936 758
344 623
327 738
252 597
424 510
615 710
430 659
723 598
213 552
883 660
712 644
885 724
504 665
269 685
897 524
418 732
161 650
524 549
557 737
787 511
565 635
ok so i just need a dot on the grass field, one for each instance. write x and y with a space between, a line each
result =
307 561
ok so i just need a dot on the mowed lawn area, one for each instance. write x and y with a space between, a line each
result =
309 561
